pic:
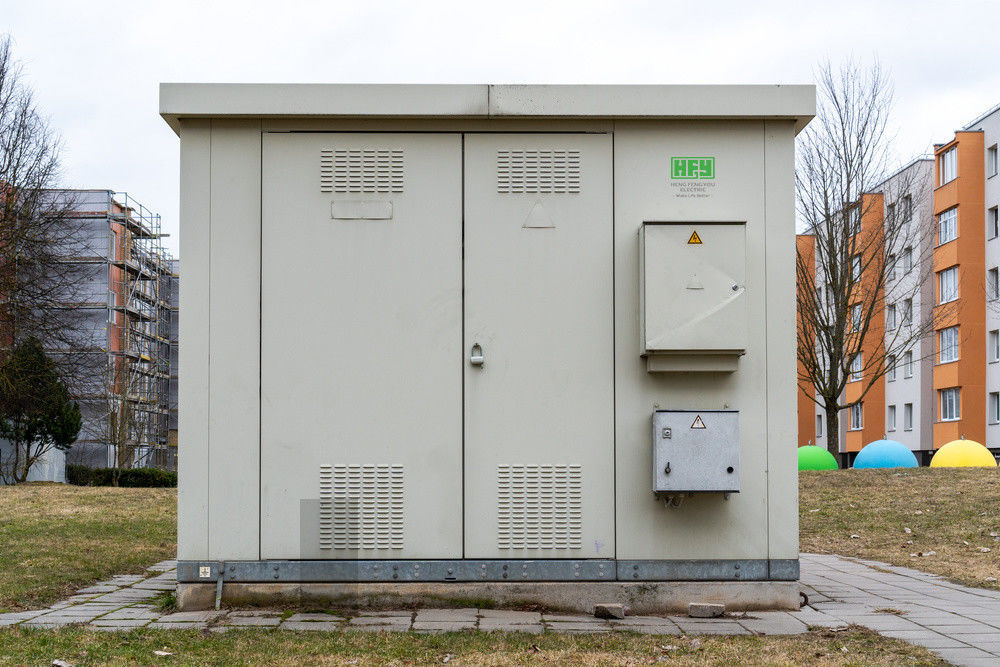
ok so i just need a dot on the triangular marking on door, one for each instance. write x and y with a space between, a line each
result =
538 218
698 423
694 239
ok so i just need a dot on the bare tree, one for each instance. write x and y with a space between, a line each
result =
38 237
868 262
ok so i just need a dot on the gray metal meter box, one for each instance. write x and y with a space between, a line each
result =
693 295
696 450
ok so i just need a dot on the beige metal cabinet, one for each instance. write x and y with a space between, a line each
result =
361 336
538 308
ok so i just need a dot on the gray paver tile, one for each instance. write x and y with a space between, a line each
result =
325 626
387 613
178 625
318 617
964 655
126 623
130 613
571 618
448 615
252 621
510 616
189 616
397 621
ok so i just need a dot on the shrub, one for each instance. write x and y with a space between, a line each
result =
127 477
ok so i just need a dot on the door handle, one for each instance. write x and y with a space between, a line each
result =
476 355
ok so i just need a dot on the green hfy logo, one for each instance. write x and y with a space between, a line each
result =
692 168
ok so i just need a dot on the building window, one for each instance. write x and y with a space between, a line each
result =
908 365
992 283
994 407
995 345
819 426
908 416
890 317
856 267
992 223
856 317
949 404
948 285
948 165
857 417
906 208
991 161
890 266
907 259
948 345
948 226
857 368
854 219
907 312
890 368
890 418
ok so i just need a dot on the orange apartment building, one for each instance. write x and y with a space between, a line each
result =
948 385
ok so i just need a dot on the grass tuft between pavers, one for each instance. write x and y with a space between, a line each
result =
276 647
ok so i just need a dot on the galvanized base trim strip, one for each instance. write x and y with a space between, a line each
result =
336 571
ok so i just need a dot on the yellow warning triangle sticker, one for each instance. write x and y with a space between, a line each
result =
698 423
695 239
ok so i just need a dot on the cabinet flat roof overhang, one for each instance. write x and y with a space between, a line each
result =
321 100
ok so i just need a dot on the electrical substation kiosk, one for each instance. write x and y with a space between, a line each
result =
520 342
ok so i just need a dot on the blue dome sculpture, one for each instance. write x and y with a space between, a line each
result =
885 454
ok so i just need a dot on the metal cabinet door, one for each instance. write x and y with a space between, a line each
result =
361 324
539 433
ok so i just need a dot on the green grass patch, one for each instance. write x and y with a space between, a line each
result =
278 647
940 520
55 539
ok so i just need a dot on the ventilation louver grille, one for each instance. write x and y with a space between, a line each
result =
360 507
347 171
538 172
539 506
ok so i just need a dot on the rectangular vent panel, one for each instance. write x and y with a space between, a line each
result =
539 506
538 172
347 171
360 507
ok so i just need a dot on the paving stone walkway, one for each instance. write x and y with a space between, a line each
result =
960 624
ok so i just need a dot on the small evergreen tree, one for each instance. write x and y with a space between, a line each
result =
36 413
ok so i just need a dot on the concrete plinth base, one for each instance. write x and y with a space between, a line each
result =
639 597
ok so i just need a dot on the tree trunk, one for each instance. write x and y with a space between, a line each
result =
833 430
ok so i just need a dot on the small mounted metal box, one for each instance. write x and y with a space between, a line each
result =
696 450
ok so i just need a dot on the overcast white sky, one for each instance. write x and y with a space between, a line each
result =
95 66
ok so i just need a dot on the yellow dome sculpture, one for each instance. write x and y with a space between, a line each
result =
963 454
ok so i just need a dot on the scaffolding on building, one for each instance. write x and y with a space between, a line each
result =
127 404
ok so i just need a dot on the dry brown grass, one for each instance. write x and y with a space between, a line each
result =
855 646
953 515
55 538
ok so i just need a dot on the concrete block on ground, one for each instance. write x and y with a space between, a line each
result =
611 610
706 610
252 621
648 629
